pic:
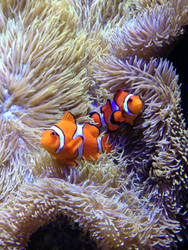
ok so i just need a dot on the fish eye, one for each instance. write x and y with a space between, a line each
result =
130 100
52 133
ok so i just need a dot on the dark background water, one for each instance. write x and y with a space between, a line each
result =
179 58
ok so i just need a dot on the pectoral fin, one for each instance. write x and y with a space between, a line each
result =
74 144
117 116
118 94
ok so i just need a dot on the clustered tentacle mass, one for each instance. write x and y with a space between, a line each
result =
63 56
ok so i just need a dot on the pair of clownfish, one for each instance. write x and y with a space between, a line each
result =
67 140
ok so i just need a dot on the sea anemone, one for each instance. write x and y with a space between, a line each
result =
59 56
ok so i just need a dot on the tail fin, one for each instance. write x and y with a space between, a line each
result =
106 146
96 118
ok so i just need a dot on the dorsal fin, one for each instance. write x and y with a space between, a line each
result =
118 93
119 98
92 129
68 117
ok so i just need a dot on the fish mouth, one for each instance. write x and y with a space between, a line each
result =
44 142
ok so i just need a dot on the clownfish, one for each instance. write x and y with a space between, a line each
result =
124 107
68 140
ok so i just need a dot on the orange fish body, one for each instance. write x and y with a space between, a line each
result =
124 107
93 144
68 141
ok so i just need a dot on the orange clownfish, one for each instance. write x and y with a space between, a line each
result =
68 140
124 107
